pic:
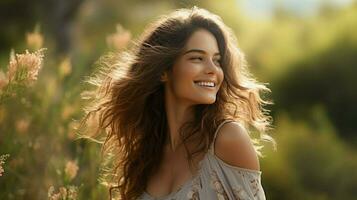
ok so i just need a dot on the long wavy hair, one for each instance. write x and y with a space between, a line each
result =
127 102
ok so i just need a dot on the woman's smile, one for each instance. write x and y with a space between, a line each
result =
206 85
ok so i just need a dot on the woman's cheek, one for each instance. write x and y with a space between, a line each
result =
191 70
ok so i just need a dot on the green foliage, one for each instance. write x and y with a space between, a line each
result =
312 161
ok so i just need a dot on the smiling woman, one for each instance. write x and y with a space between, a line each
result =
175 111
196 75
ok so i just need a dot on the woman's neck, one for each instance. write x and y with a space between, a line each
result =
177 114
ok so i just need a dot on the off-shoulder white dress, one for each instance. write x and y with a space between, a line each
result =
217 179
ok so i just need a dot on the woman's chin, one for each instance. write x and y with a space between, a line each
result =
208 101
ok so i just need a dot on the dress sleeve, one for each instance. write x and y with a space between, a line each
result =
231 182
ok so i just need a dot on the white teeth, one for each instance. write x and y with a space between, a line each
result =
209 84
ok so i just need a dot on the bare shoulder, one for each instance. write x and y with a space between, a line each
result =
233 145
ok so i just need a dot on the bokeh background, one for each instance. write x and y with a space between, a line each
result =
305 49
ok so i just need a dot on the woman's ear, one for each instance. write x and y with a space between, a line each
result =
163 77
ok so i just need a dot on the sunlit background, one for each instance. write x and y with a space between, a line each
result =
305 49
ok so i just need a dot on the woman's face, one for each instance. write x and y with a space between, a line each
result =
197 75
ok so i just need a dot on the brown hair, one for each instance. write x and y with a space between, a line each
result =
128 100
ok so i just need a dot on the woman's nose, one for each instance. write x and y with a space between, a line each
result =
210 66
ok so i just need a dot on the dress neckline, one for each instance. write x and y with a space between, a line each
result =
186 183
200 169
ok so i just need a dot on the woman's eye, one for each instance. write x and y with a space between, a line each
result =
218 62
196 58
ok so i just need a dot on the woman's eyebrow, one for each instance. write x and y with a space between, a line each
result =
198 51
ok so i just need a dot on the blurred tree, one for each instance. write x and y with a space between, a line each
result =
327 77
56 17
16 17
